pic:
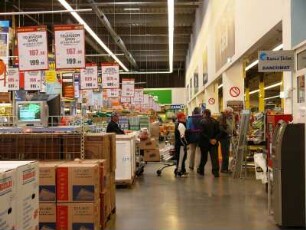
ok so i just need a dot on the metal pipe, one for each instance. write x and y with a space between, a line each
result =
135 4
113 33
43 12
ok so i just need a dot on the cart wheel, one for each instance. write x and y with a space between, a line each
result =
158 172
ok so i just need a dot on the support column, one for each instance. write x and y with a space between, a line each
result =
211 98
261 94
233 84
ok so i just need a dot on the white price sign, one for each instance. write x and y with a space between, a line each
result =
125 99
112 92
110 76
89 77
32 80
128 86
13 79
138 95
69 46
32 48
145 99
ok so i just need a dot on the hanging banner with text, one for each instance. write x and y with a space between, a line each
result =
128 86
32 48
69 46
13 79
138 95
276 61
112 92
89 77
32 80
110 76
125 99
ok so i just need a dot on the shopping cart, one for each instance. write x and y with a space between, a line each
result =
167 155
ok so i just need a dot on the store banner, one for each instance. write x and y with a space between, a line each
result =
138 95
13 79
112 92
32 80
89 77
125 99
128 86
110 76
69 46
68 85
32 48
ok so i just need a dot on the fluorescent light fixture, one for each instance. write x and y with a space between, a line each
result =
250 66
92 33
254 91
170 32
274 85
268 98
131 9
279 47
220 86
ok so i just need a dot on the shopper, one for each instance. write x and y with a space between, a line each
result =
194 130
209 143
113 126
180 145
227 129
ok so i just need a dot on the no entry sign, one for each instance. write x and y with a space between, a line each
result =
234 91
211 101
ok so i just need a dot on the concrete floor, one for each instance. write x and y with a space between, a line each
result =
193 203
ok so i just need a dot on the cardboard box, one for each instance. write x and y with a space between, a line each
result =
148 144
47 216
151 155
77 182
7 199
71 216
47 180
27 206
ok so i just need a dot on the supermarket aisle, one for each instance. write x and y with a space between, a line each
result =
166 203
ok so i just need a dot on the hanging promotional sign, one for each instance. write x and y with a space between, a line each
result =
112 92
151 102
110 76
13 79
276 61
32 80
69 46
32 48
128 86
138 95
89 77
145 99
125 99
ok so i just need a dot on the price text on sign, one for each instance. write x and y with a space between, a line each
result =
69 47
32 80
110 76
128 87
13 79
89 77
32 48
112 93
211 101
235 91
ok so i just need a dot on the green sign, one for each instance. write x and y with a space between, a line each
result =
163 96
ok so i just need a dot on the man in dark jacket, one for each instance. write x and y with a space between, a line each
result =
209 143
113 126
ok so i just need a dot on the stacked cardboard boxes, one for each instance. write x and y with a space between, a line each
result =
151 149
19 195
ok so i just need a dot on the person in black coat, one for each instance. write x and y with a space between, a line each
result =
113 126
209 143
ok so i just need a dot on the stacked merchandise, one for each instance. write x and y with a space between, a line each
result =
150 149
124 122
19 195
144 122
134 123
257 129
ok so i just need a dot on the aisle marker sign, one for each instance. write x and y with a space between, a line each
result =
211 101
89 77
128 86
234 91
32 48
110 76
32 80
13 79
69 46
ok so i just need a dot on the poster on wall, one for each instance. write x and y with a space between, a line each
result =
196 82
128 86
138 96
110 76
69 46
32 80
13 79
112 92
32 48
89 77
225 36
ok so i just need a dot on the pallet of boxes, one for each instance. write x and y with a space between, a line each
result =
150 147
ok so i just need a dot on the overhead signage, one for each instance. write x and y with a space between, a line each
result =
13 79
128 86
110 76
125 99
145 99
89 77
112 92
32 48
69 46
276 61
138 96
177 107
32 80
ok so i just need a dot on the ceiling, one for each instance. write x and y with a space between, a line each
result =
143 31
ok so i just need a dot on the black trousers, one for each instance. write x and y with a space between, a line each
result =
213 151
225 147
181 156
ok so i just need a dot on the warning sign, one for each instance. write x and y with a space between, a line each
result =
211 101
234 91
